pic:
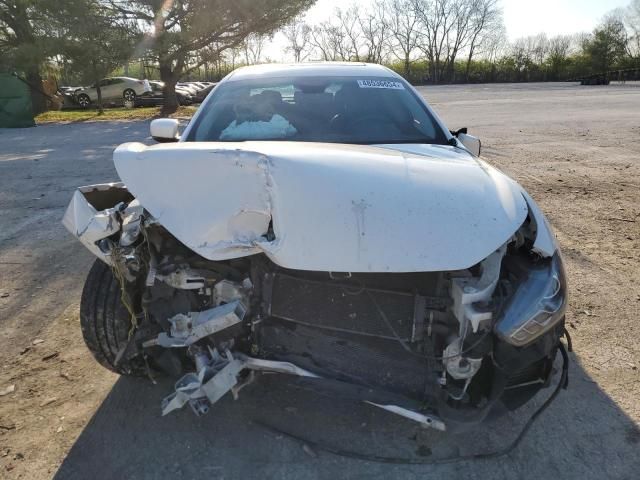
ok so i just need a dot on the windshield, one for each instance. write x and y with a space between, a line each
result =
371 110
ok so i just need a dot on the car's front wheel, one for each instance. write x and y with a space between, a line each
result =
83 100
129 95
106 322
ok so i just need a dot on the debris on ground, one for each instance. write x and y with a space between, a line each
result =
7 390
48 401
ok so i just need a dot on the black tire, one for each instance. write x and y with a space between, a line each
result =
129 95
105 321
84 101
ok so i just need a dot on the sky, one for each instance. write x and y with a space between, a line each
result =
521 17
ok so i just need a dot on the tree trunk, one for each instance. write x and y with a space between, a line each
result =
38 100
99 92
170 79
468 68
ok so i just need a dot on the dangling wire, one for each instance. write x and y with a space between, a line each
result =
117 262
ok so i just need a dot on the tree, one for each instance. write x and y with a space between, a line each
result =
632 22
486 25
348 23
93 40
559 48
252 47
403 25
375 32
297 34
23 44
608 45
329 40
176 29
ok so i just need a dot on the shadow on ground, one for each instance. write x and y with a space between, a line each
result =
582 435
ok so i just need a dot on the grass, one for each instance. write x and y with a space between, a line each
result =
110 114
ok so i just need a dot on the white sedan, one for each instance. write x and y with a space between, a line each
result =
320 220
116 88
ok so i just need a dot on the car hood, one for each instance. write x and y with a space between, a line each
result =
327 207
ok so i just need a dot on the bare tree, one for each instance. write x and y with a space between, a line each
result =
559 49
348 23
437 21
539 48
330 41
375 32
462 12
252 47
403 24
486 26
298 35
632 22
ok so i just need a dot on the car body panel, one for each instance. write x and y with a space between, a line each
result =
334 207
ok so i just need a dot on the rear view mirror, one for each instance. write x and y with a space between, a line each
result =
471 143
165 130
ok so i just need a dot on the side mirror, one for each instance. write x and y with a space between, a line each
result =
165 130
470 142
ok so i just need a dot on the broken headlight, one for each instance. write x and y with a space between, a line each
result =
536 306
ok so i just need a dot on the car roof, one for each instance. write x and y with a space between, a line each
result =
343 69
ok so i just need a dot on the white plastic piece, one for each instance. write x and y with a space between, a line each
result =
262 365
343 208
426 420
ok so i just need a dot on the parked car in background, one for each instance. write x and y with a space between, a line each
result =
156 95
189 87
114 88
204 91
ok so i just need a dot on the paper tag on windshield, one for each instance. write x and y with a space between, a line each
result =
380 84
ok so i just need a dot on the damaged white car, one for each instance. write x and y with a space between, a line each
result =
321 222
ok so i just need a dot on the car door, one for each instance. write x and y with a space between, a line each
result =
104 88
118 86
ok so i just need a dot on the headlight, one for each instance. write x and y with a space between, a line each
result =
537 305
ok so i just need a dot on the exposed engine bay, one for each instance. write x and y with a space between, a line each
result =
441 348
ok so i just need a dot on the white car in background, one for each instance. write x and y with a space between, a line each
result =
114 88
320 220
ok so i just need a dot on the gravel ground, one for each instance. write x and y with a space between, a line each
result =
576 151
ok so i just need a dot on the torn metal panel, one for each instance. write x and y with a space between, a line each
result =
342 208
